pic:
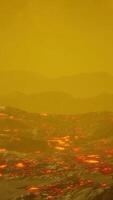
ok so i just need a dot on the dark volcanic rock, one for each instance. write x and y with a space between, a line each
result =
59 157
106 195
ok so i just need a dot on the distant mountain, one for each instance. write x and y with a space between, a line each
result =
20 81
58 102
86 85
81 85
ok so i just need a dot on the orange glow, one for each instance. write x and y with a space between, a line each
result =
60 148
50 197
104 185
2 150
3 166
3 115
77 149
33 189
94 156
11 117
44 114
20 165
92 161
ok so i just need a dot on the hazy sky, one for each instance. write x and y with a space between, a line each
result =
56 37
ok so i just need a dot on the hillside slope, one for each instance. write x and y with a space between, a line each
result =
60 157
58 102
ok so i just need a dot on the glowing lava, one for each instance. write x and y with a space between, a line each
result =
91 161
33 189
20 165
3 166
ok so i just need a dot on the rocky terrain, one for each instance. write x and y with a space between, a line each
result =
61 157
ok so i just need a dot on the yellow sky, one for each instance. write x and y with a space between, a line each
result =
56 37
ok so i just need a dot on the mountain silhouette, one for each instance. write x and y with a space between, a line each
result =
58 102
81 85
